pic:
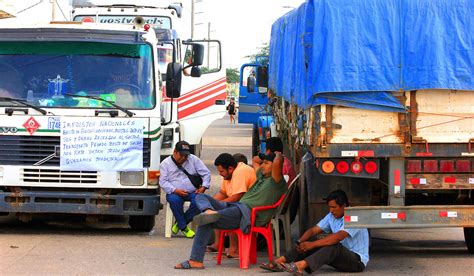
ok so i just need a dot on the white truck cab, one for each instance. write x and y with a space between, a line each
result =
81 120
202 93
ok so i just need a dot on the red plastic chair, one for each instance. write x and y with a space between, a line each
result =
248 242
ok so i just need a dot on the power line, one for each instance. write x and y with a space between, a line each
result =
34 5
59 6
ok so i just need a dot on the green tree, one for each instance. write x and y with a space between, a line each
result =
232 75
264 50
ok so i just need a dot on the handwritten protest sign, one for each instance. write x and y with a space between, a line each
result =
96 144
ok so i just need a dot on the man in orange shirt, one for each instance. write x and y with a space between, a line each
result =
238 177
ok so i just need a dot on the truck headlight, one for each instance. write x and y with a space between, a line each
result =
167 138
132 178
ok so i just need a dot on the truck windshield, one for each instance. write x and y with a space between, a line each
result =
41 73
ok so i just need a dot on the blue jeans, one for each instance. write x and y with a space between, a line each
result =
229 219
176 204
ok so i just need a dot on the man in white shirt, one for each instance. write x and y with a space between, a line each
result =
174 180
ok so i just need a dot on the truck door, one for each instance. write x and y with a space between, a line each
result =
252 92
204 86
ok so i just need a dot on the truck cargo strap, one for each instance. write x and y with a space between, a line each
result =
409 216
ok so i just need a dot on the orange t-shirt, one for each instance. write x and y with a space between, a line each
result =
242 178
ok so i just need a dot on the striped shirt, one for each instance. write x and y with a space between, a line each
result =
357 241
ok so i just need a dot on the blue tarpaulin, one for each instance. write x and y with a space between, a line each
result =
354 52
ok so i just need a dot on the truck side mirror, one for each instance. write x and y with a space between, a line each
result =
173 80
198 54
204 54
195 72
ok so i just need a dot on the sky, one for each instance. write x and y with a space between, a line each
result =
241 25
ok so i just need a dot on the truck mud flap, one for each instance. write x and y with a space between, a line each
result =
409 216
79 203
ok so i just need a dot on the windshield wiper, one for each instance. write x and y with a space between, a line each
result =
123 109
25 103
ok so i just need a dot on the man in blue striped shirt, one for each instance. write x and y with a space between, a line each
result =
346 250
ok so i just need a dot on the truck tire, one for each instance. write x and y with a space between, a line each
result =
141 223
469 238
255 141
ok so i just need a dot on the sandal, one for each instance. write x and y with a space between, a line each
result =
227 256
272 266
210 249
187 265
291 268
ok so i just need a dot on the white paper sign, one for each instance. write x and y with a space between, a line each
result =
471 180
101 144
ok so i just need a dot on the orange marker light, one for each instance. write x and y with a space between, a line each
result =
328 167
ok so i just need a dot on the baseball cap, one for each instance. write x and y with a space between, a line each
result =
183 148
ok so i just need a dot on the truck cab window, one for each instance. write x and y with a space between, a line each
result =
49 70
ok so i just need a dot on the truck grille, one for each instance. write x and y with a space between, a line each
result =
57 176
27 150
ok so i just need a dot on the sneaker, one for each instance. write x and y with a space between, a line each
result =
175 228
188 233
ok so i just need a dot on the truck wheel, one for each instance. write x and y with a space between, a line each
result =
255 141
141 223
469 238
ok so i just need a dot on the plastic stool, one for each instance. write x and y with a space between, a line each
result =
170 220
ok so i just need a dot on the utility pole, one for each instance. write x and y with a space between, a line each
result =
53 9
208 43
192 19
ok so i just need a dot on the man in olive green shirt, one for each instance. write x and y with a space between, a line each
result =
267 189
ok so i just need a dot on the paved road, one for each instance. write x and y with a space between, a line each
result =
71 246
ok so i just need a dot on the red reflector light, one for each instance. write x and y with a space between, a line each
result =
356 167
327 167
365 153
402 216
451 180
342 167
146 27
413 166
463 166
430 166
370 167
446 166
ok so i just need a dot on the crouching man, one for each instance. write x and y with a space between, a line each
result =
346 250
267 189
